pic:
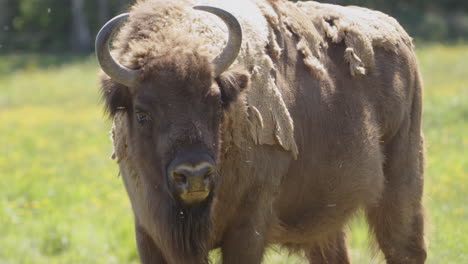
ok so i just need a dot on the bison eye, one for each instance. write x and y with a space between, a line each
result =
142 117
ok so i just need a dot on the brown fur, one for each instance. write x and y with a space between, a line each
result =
355 103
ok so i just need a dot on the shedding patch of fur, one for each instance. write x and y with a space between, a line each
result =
119 136
262 112
355 63
267 115
316 68
255 121
274 49
120 153
294 23
360 29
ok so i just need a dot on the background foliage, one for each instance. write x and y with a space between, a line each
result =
60 25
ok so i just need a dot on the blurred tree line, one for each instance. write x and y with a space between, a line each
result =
70 25
54 25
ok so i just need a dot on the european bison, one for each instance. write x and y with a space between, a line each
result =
310 112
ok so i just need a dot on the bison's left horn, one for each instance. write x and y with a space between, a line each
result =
230 52
109 65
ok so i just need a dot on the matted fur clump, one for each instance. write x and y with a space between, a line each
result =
361 29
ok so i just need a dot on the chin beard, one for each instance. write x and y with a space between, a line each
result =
189 227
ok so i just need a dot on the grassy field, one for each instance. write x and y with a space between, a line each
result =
61 200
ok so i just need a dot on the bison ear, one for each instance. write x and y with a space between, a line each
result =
231 84
116 96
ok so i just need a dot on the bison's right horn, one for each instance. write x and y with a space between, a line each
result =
109 65
230 52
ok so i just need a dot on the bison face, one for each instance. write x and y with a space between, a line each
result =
174 105
174 119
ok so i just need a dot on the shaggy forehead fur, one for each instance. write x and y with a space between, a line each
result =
170 54
172 61
150 37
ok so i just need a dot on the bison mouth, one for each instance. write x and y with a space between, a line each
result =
194 198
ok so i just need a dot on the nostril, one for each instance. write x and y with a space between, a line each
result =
208 176
179 178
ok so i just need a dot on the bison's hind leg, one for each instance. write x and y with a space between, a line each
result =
397 219
333 251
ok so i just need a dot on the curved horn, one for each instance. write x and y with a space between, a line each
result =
230 52
109 65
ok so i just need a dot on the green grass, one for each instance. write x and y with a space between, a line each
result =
61 200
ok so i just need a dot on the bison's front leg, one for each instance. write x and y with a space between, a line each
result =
245 239
244 243
148 251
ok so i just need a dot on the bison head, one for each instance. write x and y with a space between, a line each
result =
175 111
